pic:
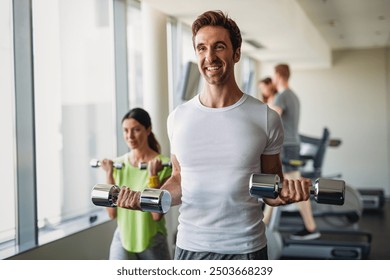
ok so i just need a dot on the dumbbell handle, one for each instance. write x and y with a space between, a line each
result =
151 200
97 163
325 191
144 165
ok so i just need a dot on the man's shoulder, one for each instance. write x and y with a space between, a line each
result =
254 106
288 92
283 95
253 100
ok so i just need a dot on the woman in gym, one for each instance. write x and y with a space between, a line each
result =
139 235
268 91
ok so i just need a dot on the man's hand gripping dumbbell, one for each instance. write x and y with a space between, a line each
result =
269 187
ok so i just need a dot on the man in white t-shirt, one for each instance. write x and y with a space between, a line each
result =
218 139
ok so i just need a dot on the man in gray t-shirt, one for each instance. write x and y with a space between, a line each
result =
286 103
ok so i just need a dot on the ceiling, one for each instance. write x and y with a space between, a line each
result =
302 33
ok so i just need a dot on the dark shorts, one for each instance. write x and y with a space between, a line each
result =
288 153
181 254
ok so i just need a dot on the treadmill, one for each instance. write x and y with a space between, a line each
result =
332 245
339 240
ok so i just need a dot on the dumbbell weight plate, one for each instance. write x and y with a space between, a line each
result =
155 200
94 163
331 191
264 185
105 195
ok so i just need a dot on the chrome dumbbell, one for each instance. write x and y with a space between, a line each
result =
97 163
151 200
325 191
144 165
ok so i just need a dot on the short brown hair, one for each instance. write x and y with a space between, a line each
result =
283 70
266 81
218 18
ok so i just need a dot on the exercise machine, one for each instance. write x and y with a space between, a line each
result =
373 199
338 224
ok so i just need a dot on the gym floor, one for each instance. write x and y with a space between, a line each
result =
378 224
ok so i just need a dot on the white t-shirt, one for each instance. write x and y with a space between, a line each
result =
218 149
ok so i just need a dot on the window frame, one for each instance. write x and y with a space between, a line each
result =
27 232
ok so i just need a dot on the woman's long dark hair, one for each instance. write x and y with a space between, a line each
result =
141 116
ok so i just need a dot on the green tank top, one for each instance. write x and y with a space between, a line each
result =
137 228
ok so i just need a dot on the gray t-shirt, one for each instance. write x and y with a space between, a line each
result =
289 103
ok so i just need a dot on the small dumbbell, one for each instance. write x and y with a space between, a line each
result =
151 200
325 191
144 165
97 163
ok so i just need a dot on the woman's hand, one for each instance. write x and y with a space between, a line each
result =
107 165
155 166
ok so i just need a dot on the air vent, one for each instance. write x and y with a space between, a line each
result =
254 44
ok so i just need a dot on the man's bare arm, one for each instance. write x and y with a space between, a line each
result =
292 190
271 164
173 184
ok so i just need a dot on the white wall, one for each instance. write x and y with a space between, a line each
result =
352 100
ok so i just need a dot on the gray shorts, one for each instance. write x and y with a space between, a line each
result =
181 254
290 152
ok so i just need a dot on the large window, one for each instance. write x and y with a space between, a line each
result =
59 99
248 75
7 128
134 47
181 52
74 106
